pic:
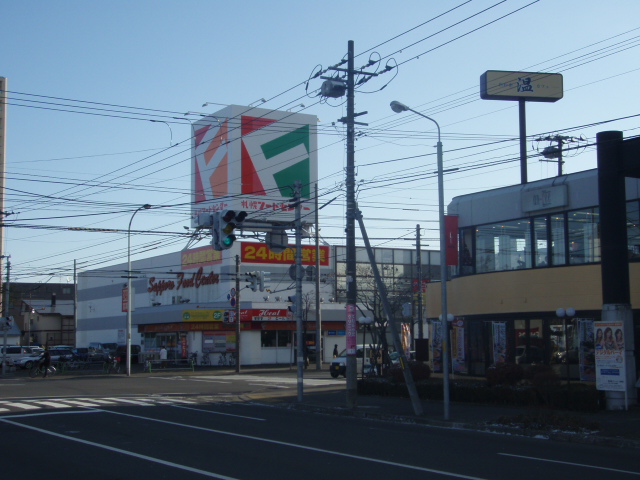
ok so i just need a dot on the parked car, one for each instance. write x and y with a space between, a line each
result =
339 364
27 361
15 352
80 354
109 348
121 352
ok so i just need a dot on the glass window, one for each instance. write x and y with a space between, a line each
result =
268 338
584 240
361 255
558 240
466 247
402 256
633 229
284 338
541 241
503 246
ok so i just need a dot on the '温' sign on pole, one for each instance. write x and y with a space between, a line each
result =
523 87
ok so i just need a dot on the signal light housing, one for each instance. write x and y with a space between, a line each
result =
224 223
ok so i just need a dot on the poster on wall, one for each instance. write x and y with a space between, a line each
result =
586 351
499 342
609 353
458 349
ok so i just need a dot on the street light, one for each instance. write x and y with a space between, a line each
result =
564 314
146 206
398 108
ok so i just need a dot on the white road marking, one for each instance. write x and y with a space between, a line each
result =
24 406
124 452
570 463
82 404
220 413
302 447
52 404
135 402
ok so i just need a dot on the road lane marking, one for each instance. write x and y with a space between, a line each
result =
220 413
124 452
24 406
135 402
570 463
52 404
302 447
80 403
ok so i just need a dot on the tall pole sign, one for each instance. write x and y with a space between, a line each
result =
521 87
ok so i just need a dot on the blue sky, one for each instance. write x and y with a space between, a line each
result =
135 59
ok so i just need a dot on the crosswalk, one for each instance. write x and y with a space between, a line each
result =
9 406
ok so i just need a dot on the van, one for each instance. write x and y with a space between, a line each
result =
15 352
339 364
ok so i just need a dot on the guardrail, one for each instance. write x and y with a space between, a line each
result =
173 364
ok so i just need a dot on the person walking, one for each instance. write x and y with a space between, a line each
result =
163 357
335 351
46 361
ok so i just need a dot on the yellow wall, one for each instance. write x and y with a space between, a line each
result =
544 289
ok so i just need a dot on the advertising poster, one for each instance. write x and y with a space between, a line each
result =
586 352
609 353
499 342
458 350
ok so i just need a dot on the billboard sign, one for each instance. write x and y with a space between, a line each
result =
248 159
530 86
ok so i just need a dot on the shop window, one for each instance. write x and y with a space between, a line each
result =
541 241
583 236
466 247
633 229
558 240
503 246
269 338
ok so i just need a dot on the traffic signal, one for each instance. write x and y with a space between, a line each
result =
263 281
252 280
227 221
292 307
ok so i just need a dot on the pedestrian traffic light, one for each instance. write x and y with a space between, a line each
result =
252 280
292 307
263 281
228 220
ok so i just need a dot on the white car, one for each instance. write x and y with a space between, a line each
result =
28 361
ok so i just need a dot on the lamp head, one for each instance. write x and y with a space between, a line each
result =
146 206
398 107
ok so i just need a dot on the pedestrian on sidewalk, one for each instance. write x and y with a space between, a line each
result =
335 351
163 357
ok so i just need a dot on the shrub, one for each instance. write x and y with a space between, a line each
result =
504 374
419 370
533 370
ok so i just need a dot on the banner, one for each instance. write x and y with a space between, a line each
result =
458 350
586 352
435 334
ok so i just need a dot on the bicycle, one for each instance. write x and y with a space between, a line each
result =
111 365
193 358
205 360
38 369
222 360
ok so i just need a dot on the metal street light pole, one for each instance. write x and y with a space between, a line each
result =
146 206
398 108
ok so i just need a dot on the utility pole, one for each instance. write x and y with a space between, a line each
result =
336 88
552 152
419 272
5 316
319 345
237 313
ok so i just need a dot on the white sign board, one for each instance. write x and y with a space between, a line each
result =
248 159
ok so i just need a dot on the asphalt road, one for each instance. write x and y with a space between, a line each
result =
211 426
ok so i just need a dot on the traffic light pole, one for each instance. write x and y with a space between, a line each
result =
298 299
237 313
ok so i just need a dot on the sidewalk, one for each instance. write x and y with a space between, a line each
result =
614 428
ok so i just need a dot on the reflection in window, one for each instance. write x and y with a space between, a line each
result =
583 236
633 229
541 237
503 246
558 248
